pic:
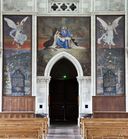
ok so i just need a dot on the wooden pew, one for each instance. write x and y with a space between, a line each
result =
16 114
23 128
103 128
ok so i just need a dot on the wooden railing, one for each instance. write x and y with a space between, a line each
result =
23 128
102 128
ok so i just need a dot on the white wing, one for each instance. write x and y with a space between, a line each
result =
103 23
24 20
10 23
115 23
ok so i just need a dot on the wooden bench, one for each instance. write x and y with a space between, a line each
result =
110 114
103 128
16 114
23 128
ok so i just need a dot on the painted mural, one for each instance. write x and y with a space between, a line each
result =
17 63
69 34
110 55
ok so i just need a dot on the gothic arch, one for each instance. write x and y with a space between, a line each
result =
84 84
59 56
80 76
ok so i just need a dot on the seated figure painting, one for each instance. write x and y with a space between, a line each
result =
62 38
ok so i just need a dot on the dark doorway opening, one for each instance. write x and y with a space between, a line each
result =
63 93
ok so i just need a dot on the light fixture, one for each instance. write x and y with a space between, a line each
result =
64 76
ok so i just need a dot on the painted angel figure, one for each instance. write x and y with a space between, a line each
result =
17 31
110 29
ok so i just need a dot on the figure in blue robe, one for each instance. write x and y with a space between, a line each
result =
64 38
61 39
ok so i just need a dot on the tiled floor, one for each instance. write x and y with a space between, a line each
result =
63 132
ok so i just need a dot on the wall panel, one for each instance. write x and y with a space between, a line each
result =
108 103
110 50
17 56
13 103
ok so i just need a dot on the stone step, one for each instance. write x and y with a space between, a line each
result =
64 132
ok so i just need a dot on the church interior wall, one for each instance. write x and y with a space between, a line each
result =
40 13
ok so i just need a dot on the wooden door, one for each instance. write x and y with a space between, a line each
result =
63 100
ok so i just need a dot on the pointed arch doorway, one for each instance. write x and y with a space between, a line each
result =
45 82
63 92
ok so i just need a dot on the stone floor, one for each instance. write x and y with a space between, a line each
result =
63 131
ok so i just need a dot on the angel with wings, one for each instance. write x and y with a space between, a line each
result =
110 28
17 31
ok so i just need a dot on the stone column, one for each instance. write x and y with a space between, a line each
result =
42 96
126 59
85 95
34 55
1 79
1 64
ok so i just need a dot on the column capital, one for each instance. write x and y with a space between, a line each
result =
80 78
41 79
